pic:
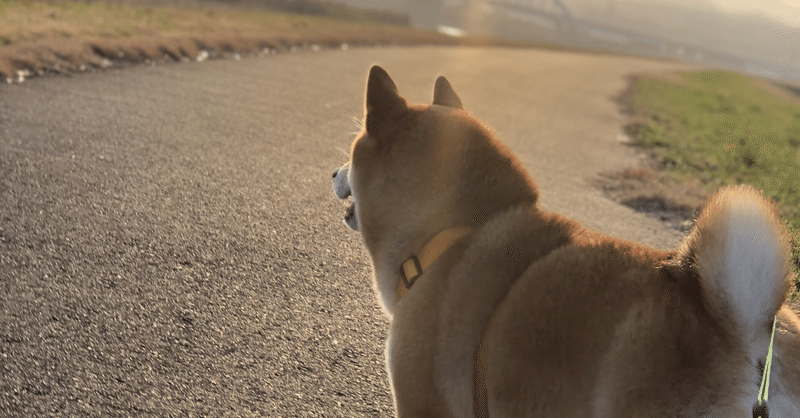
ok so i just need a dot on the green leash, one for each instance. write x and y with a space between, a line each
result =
760 408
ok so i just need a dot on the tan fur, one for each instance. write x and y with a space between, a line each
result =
575 323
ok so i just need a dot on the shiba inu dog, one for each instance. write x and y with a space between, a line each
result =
501 309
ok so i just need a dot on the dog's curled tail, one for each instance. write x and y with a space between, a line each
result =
740 251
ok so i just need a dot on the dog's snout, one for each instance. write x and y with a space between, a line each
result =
335 172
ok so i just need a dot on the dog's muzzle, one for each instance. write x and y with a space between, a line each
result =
341 187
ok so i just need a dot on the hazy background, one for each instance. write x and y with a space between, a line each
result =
756 36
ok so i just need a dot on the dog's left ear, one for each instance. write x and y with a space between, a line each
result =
383 99
444 95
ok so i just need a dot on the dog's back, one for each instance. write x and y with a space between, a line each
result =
608 328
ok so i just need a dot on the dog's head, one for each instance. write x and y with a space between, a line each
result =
415 170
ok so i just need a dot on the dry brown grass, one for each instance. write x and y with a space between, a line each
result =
40 37
59 55
650 191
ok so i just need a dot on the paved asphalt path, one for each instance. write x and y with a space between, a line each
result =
170 244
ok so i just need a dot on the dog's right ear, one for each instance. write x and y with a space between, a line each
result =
443 94
383 99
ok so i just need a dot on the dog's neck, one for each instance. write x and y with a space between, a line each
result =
413 267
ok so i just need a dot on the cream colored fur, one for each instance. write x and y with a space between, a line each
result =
576 323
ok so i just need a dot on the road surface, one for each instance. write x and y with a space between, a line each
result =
170 244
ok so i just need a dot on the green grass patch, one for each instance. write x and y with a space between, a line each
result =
723 128
795 232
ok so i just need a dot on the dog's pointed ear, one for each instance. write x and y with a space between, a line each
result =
382 98
444 95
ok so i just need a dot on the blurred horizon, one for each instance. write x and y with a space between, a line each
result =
784 11
759 37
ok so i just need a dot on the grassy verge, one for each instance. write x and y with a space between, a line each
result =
719 128
39 37
35 20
